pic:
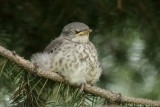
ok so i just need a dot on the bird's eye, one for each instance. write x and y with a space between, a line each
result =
77 31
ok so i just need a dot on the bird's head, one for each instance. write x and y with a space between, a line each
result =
76 32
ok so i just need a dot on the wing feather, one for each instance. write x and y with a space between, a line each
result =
53 45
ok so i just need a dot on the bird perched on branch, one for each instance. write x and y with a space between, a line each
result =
72 55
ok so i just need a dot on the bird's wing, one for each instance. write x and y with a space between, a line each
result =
53 45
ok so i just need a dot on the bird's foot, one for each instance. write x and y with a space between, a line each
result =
82 86
36 65
60 75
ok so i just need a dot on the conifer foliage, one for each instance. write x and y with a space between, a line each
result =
126 34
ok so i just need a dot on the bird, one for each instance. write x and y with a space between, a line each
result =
71 55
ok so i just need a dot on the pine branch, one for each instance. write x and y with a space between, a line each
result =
116 98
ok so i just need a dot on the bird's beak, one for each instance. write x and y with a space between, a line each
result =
84 32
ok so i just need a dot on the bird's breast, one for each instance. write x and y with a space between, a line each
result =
77 62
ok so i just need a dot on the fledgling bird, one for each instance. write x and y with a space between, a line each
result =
72 55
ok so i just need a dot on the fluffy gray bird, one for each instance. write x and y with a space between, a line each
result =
72 55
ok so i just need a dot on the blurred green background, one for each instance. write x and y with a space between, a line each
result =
125 32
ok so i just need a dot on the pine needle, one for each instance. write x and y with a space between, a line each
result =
3 67
42 88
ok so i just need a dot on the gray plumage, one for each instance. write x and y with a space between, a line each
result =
72 55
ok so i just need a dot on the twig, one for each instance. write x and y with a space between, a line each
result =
119 4
150 19
108 95
83 100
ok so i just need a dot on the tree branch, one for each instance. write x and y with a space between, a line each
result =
108 95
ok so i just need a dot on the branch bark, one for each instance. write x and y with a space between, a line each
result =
108 95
